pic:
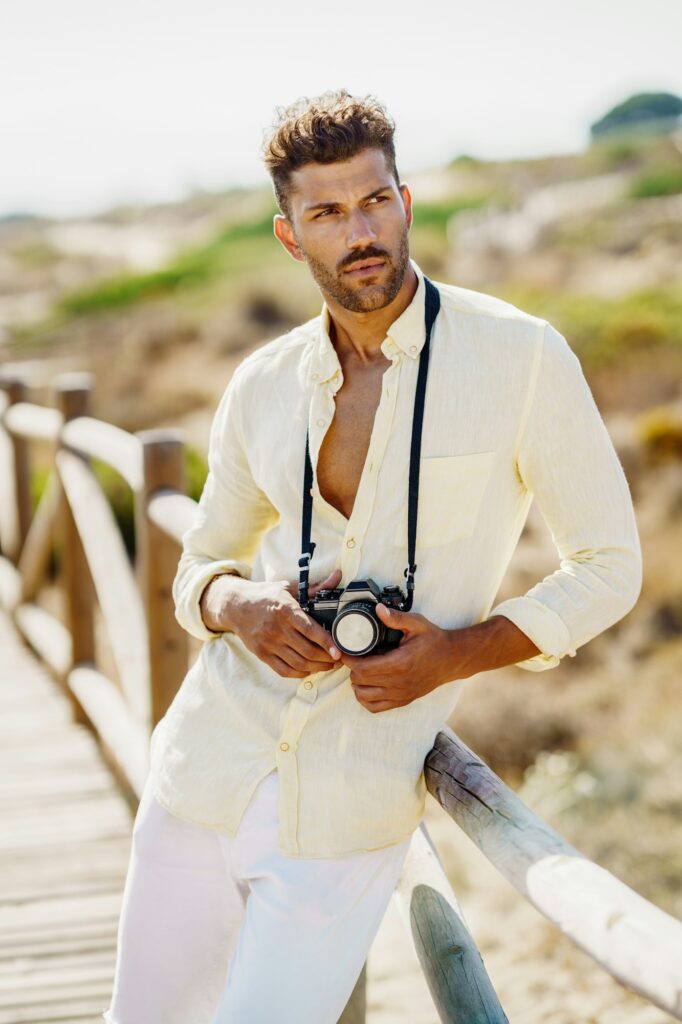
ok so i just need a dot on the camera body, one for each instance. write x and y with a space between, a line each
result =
349 614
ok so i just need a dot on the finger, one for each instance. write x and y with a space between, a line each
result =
369 693
295 661
281 667
295 619
309 650
314 632
376 664
331 581
408 622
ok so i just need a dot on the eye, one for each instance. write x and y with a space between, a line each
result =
329 209
379 199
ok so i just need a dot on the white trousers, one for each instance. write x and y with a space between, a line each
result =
220 930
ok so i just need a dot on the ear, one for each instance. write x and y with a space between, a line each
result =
285 233
407 203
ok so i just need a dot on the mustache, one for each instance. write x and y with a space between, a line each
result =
366 255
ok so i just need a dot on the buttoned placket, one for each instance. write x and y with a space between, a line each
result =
297 711
321 414
295 717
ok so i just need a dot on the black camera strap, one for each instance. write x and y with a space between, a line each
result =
431 307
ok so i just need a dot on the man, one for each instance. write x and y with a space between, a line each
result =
287 776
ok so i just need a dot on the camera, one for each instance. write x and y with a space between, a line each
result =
349 613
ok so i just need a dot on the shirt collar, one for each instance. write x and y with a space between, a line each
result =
406 331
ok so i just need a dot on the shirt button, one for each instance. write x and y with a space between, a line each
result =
413 348
308 686
284 746
350 543
320 423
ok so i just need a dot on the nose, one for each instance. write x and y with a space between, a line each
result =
360 230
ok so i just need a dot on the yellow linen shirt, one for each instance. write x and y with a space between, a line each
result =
509 416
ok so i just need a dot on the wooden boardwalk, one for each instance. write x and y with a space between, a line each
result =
65 825
64 843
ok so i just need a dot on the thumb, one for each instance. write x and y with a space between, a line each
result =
405 621
332 580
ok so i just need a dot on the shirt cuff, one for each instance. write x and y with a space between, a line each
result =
188 612
543 626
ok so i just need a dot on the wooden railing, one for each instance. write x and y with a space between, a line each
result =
639 944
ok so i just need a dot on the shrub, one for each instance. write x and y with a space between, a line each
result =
660 431
664 181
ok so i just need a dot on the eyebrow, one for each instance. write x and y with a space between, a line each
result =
325 205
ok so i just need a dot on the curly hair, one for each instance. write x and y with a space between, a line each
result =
324 129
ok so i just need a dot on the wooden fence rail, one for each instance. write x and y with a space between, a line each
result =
637 943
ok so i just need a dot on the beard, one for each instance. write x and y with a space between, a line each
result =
371 296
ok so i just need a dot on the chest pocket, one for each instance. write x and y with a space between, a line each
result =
451 489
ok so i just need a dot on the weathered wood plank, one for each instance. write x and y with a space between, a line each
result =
173 513
47 636
64 851
113 579
67 959
54 1006
35 555
72 397
636 942
33 422
157 563
126 738
57 932
15 494
110 444
10 580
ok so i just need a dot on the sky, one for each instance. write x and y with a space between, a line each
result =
141 101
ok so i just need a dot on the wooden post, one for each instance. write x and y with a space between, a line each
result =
72 398
637 942
453 967
18 513
157 562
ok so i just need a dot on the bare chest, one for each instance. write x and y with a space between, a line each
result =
343 451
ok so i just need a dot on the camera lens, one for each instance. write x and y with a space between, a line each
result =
356 630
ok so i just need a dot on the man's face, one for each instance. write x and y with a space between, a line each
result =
350 223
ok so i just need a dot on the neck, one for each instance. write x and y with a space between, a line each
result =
361 334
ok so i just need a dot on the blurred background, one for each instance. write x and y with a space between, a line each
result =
543 147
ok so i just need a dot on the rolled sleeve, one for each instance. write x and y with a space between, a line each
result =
567 460
232 515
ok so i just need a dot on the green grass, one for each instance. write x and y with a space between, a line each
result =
602 331
238 244
435 216
663 181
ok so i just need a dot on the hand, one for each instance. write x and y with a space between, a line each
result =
268 620
427 657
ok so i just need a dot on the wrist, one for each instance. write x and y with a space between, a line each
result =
493 643
220 602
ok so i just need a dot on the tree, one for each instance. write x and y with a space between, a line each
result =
645 111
